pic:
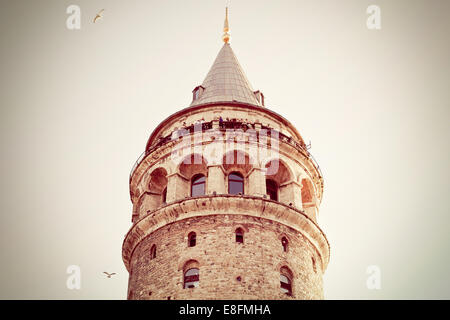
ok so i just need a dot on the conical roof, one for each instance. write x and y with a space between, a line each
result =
226 81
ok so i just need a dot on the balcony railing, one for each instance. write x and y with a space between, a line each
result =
224 125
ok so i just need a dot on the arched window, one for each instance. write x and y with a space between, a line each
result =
155 197
307 191
235 183
286 281
272 189
239 235
198 185
285 285
164 196
191 278
284 243
192 238
153 252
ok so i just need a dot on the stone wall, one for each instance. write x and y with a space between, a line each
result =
222 260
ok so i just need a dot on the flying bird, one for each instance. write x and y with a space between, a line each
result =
109 274
99 15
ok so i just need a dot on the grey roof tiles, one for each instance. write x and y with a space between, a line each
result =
226 81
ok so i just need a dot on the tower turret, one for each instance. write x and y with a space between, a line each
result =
225 200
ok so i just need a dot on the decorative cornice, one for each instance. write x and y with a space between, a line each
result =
241 105
226 204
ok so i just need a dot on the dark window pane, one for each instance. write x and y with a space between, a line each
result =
198 190
192 239
235 183
153 252
164 195
272 189
236 177
198 185
239 236
286 288
199 179
285 285
192 272
235 187
191 278
284 243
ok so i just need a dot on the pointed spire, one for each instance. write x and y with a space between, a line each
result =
226 82
226 28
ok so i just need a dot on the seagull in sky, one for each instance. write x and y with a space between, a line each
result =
99 15
109 274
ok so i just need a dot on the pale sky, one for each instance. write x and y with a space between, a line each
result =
77 108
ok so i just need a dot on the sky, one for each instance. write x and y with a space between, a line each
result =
77 108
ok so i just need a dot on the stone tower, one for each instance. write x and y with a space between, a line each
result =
225 200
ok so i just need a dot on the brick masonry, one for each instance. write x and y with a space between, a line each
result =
222 260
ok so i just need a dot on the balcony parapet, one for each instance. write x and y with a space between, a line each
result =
223 126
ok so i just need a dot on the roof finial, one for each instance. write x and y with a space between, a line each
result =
226 35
